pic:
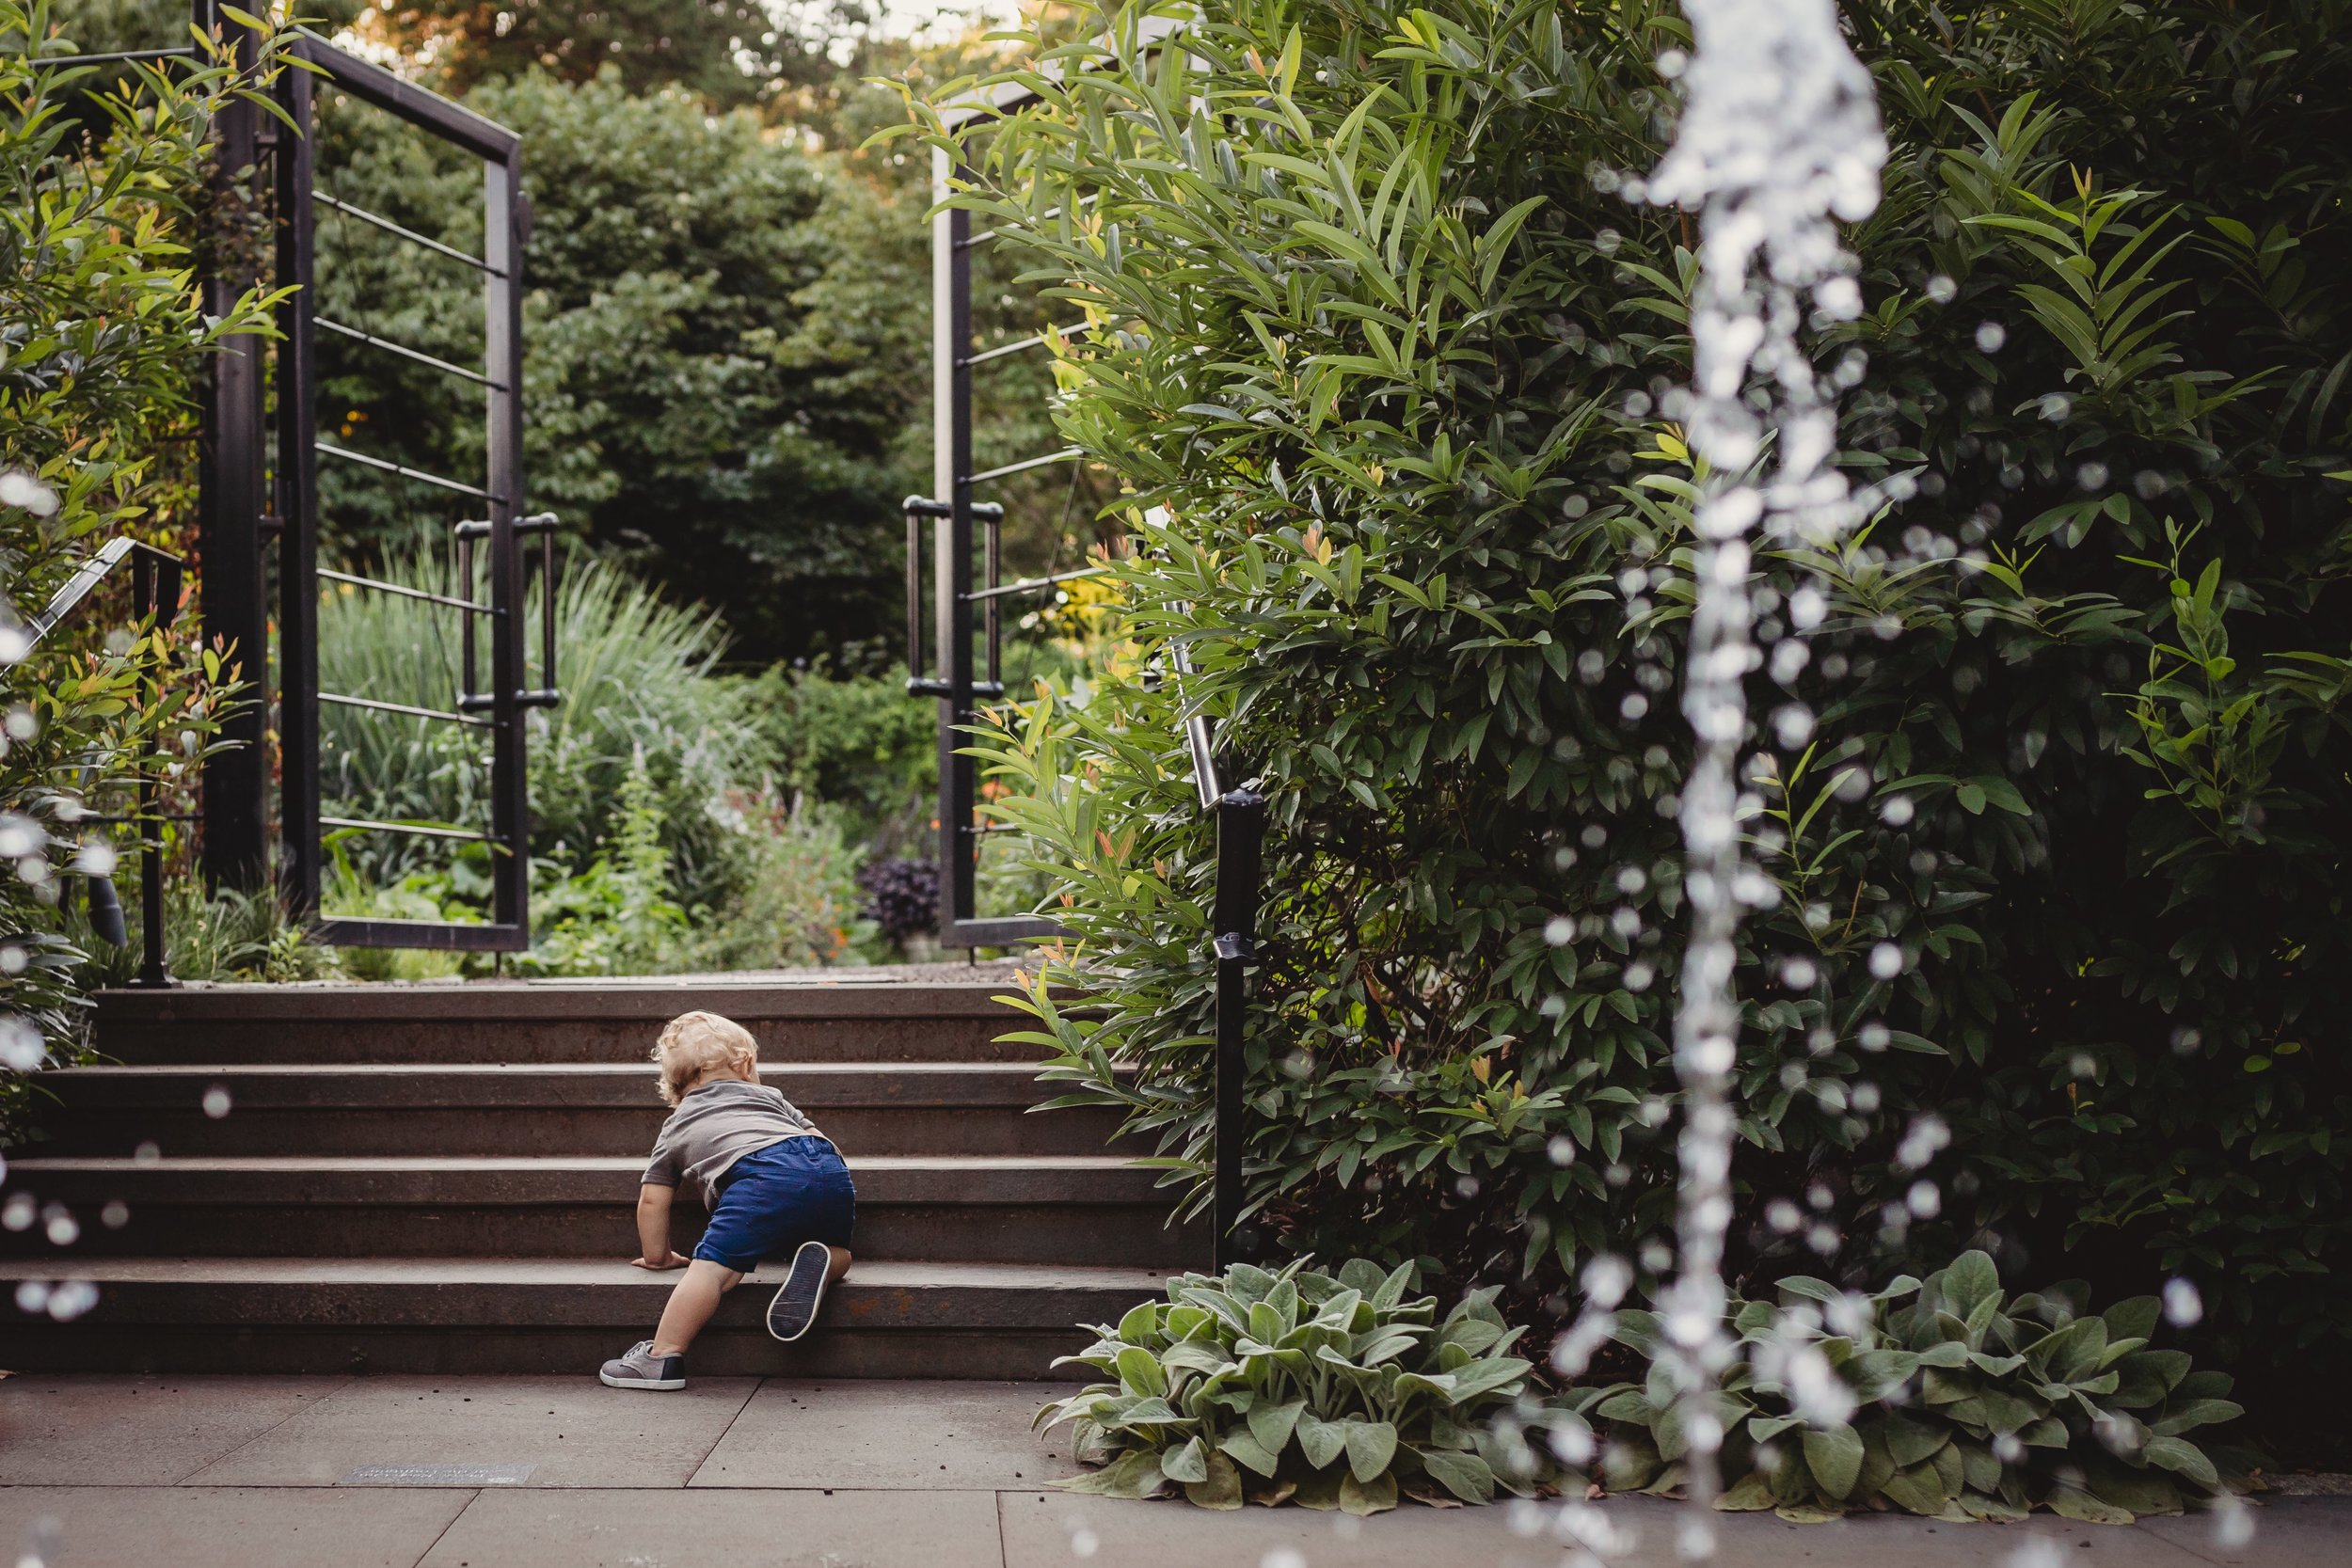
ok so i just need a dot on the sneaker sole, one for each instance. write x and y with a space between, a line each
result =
653 1385
794 1311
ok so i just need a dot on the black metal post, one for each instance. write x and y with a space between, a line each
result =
234 607
993 568
1240 838
155 591
298 792
504 235
951 585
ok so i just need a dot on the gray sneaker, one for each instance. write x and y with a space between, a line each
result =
642 1368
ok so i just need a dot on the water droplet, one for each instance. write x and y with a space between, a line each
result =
1991 336
70 1299
216 1101
2183 1306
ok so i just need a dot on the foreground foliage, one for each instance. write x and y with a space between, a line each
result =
1332 1390
101 334
2051 775
1968 1404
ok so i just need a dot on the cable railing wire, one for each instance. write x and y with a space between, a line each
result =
118 56
406 353
406 473
409 234
1024 467
403 591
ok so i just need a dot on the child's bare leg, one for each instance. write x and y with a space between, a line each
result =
691 1306
840 1264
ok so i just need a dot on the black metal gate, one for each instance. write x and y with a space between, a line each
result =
493 702
967 619
263 397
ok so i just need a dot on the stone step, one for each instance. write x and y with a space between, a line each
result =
557 1108
1100 1209
555 1021
487 1315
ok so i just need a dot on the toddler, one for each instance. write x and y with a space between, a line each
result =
774 1184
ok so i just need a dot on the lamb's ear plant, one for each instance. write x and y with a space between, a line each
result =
1332 1390
1964 1404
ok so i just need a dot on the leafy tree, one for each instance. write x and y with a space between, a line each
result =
2050 783
729 53
702 303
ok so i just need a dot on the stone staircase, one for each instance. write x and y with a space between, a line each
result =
443 1178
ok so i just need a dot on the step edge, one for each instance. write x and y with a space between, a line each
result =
560 1001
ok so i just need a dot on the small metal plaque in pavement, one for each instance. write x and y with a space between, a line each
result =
439 1475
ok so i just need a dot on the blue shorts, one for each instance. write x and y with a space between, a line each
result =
774 1198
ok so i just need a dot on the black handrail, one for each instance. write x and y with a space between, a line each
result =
156 578
1233 941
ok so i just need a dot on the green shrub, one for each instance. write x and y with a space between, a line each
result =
222 936
638 691
1965 1405
658 843
859 743
689 412
799 903
1334 1390
2056 865
615 916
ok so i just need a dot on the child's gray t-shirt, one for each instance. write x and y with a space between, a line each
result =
716 1125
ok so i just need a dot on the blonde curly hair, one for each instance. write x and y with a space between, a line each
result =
694 1044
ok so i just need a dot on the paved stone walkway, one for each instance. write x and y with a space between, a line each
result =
397 1472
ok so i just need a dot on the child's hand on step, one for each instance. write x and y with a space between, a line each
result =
675 1260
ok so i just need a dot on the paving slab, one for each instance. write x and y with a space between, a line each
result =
1640 1532
721 1529
67 1430
1886 1540
1058 1530
2285 1533
920 1435
1055 1529
563 1432
197 1526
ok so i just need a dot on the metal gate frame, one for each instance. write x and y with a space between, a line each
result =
500 533
951 506
961 682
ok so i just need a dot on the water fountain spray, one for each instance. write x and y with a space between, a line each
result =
1779 141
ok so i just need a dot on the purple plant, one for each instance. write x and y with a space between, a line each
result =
902 896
